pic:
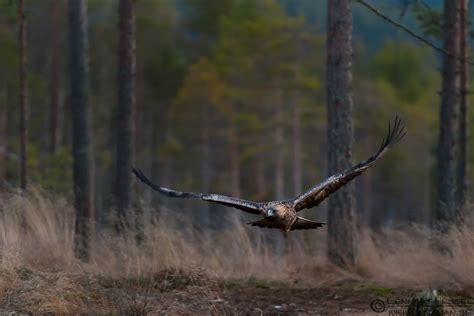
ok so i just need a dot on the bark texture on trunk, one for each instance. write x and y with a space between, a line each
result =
126 108
234 159
81 126
3 137
54 83
463 170
446 210
204 216
260 183
296 135
23 95
279 149
341 223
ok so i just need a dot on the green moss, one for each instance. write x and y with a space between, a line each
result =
373 289
24 274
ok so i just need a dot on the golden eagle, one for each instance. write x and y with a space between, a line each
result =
283 214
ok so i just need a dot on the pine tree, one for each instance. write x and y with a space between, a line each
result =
462 171
445 211
126 109
81 126
341 226
23 95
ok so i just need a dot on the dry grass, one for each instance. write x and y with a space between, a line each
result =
39 273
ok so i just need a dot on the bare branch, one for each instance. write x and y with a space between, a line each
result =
407 30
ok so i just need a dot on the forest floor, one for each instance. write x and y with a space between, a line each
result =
175 292
232 271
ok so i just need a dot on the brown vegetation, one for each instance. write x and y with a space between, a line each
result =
185 270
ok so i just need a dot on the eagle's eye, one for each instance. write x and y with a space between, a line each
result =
271 212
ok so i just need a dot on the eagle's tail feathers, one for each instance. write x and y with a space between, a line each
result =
303 223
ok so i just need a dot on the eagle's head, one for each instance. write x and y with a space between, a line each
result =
271 212
275 211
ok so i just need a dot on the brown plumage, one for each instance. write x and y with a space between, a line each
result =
283 214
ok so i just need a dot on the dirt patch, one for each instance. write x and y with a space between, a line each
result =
179 292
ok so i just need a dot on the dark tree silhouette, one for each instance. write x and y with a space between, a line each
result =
3 138
279 144
341 224
296 140
54 73
81 125
23 95
126 108
445 211
462 171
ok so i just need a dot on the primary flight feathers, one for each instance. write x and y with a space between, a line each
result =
282 214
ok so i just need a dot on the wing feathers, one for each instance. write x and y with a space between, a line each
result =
243 205
320 192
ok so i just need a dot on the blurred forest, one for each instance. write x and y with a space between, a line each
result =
230 98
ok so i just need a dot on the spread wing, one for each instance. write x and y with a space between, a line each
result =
320 192
243 205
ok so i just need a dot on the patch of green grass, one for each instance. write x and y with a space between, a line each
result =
373 289
228 284
24 274
262 285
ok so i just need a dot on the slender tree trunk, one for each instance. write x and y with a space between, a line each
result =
260 183
139 112
138 143
157 164
54 83
126 108
445 211
296 135
341 223
279 149
366 200
23 95
234 159
279 241
81 126
234 154
462 176
3 137
204 217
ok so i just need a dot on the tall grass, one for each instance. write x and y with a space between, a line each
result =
37 231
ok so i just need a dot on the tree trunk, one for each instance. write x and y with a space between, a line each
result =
204 217
260 183
23 95
279 150
54 83
445 211
3 137
126 108
462 178
81 126
296 135
341 223
156 163
234 164
234 159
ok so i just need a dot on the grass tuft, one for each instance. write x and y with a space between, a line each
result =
39 273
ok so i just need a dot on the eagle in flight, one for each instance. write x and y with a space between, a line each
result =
283 214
